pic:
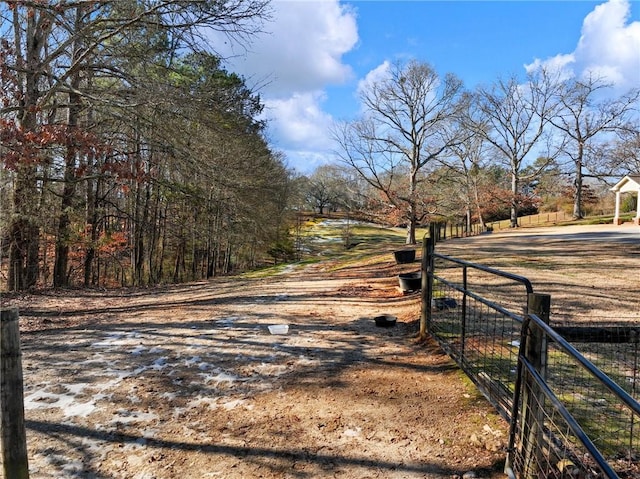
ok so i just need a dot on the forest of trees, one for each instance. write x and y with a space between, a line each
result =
131 156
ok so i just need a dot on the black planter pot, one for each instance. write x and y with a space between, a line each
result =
405 256
385 321
410 281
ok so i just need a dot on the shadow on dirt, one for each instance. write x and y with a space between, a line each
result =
194 369
285 459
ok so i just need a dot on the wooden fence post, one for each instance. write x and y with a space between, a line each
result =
532 411
14 438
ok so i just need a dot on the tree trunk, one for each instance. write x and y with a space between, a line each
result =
514 201
194 249
477 206
467 216
577 194
141 215
60 276
411 228
413 215
163 243
154 235
17 249
91 220
138 243
209 256
227 258
179 264
24 232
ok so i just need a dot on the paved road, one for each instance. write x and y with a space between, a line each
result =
626 233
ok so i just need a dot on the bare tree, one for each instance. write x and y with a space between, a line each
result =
582 118
513 120
470 162
406 127
624 154
326 188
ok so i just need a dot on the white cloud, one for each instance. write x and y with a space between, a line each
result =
291 66
377 75
609 46
299 120
559 63
302 49
300 128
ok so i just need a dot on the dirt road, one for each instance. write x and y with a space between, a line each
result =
188 382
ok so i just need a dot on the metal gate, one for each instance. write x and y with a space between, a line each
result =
568 418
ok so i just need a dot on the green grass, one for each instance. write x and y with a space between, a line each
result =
355 238
559 219
365 244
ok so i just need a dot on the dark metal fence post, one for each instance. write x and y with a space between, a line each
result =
635 335
535 352
14 438
428 247
463 324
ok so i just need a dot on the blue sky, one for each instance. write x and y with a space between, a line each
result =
312 58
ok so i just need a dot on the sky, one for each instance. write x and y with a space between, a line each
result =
313 56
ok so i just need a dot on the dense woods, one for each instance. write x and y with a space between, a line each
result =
131 156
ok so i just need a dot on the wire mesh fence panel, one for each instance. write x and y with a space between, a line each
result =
613 348
574 420
613 427
491 352
545 443
568 421
446 306
469 319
